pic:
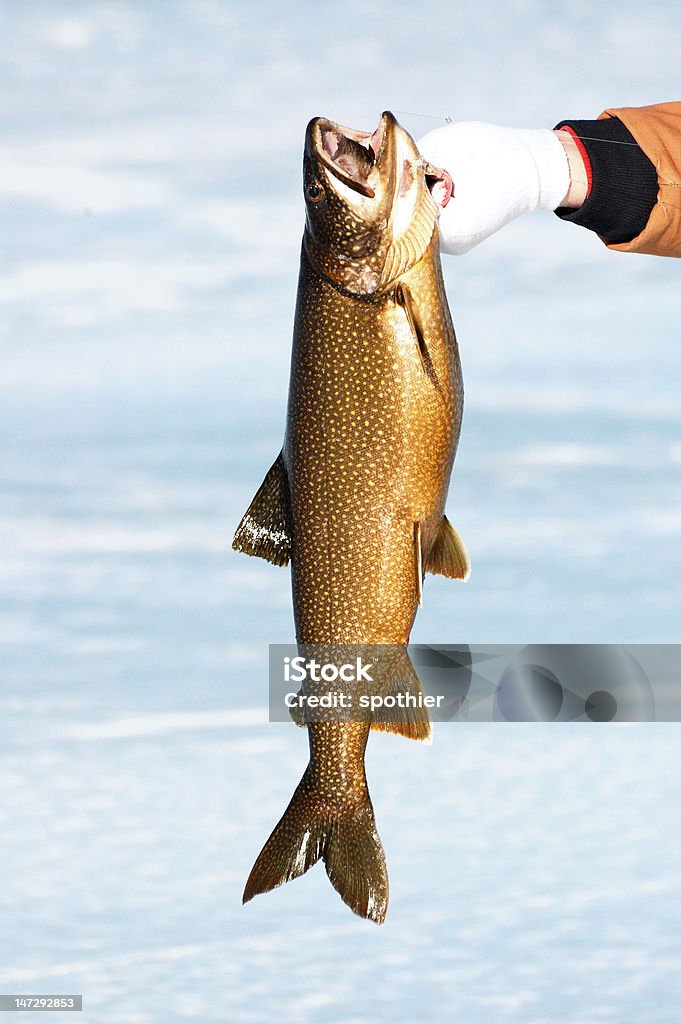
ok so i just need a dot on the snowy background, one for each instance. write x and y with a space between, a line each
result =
151 219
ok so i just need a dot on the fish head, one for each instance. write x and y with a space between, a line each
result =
371 203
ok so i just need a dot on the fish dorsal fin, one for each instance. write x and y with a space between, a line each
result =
418 556
448 555
265 530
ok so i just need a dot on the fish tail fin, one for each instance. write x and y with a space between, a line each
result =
347 840
297 842
355 863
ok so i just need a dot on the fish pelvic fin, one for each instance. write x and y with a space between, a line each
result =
265 529
346 839
448 555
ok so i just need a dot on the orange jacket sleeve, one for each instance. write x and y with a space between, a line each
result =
657 130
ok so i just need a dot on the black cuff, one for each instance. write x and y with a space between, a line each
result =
624 186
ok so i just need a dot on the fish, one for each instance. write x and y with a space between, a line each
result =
355 501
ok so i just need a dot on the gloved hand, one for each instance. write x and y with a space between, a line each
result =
498 173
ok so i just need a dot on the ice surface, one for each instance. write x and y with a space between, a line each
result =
150 198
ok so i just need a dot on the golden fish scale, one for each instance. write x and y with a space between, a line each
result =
337 780
371 436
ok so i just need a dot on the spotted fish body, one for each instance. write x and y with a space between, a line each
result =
356 498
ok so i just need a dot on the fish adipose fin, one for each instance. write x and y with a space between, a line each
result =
297 712
346 840
265 529
448 555
398 677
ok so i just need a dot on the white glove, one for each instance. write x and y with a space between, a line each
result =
498 173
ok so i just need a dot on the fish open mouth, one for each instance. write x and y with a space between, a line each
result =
351 155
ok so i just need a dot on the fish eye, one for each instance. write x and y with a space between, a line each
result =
314 191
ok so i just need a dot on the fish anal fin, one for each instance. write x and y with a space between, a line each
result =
448 555
265 530
411 730
395 675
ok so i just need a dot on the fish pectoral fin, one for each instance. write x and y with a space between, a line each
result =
405 299
448 555
265 529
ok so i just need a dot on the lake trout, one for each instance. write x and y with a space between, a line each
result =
355 501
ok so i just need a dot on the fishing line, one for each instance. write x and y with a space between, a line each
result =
611 142
431 117
450 120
